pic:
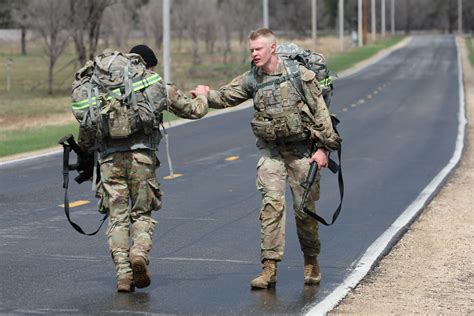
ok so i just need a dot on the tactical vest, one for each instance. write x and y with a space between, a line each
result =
278 105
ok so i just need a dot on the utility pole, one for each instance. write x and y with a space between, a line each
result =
372 13
383 18
166 41
265 13
314 21
167 77
460 16
341 24
359 24
366 20
392 17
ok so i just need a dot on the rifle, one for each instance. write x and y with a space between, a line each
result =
84 166
85 161
313 169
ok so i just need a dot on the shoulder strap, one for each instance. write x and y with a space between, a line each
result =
251 80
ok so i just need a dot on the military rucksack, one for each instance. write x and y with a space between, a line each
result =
111 99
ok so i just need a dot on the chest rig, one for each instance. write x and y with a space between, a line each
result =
278 100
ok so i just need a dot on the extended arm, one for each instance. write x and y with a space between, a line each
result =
229 95
184 106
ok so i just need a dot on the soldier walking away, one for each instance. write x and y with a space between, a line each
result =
290 117
120 122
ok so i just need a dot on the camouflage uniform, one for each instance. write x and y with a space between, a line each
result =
284 160
128 174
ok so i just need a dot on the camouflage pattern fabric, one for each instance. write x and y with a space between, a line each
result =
129 176
281 162
320 126
273 169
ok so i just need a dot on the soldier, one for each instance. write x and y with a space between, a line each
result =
127 168
287 122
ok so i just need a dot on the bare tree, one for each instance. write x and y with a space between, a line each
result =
20 19
86 20
151 18
50 19
190 12
119 21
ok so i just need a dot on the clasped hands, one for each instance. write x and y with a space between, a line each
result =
200 90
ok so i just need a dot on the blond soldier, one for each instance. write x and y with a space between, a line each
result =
127 168
286 122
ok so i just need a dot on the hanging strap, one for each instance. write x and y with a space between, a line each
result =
66 168
340 180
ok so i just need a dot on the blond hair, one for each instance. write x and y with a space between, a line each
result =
263 32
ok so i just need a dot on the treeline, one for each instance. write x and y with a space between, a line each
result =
214 22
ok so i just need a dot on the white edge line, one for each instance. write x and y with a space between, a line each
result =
394 232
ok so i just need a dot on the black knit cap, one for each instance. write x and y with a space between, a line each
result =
146 53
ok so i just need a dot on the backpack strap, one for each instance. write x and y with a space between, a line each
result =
251 80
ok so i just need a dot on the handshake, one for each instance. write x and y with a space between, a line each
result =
200 90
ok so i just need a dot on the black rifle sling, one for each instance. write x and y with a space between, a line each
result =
340 180
341 194
66 168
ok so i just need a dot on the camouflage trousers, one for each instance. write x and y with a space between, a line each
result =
128 192
273 169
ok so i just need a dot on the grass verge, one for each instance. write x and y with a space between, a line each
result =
13 142
470 49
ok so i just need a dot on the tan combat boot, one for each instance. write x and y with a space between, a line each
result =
312 275
125 283
140 272
268 277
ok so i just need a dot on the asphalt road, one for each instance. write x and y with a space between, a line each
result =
399 124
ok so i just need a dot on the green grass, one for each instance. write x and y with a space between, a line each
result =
345 60
470 49
28 98
13 142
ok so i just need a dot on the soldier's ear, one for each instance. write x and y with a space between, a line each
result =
274 45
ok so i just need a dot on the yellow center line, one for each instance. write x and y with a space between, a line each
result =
76 203
171 177
232 158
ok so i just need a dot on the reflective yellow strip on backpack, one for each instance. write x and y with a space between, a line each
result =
325 82
146 82
83 104
137 86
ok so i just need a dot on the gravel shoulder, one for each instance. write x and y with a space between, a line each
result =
431 269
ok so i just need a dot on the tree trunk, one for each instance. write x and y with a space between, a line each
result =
194 50
23 40
51 63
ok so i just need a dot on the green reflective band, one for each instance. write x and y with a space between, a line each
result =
144 83
137 86
83 104
325 82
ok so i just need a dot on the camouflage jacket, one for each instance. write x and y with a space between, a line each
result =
237 91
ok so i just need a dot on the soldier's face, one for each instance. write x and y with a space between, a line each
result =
261 50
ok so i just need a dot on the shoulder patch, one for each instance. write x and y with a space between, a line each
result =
306 74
